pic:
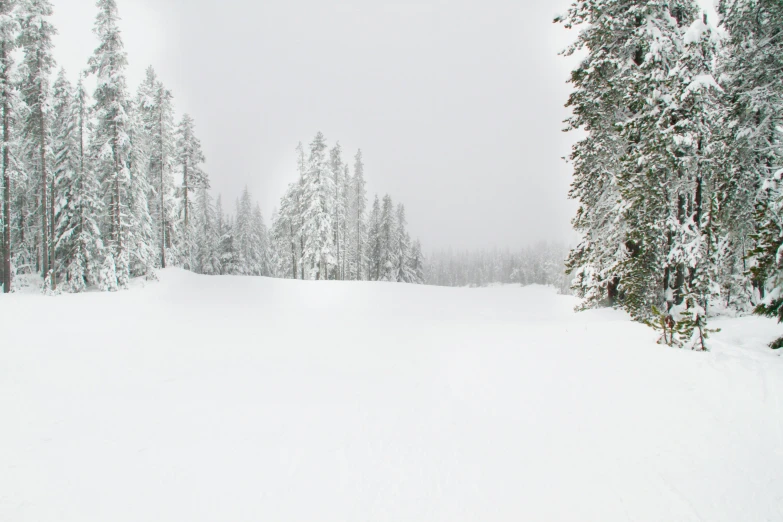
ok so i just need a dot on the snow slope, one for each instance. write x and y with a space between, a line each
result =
248 399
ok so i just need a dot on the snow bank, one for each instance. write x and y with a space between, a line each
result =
247 399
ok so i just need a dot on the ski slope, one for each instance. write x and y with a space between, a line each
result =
248 399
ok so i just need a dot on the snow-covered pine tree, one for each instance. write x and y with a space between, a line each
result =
225 231
388 239
301 163
189 160
25 226
345 226
155 105
754 53
111 144
338 209
76 233
259 243
8 29
608 34
317 190
243 234
373 246
207 239
35 39
417 264
402 248
639 97
142 244
285 234
358 209
698 182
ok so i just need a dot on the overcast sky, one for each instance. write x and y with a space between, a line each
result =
457 105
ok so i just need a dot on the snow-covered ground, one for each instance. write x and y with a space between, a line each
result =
248 399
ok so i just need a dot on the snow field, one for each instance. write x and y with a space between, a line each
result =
244 399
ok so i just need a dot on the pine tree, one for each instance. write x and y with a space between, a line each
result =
259 244
598 104
417 264
111 144
8 28
226 250
358 210
402 248
298 224
388 233
338 208
189 160
207 238
156 110
77 234
317 231
285 234
35 38
754 59
141 251
374 242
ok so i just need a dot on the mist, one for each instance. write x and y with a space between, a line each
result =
457 106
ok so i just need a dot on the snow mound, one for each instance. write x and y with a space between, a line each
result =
226 398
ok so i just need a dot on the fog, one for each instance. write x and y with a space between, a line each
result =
457 106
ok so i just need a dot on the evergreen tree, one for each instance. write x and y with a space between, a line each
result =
259 244
189 160
754 52
111 144
77 233
285 234
156 110
8 28
402 249
317 231
609 37
338 206
35 39
358 210
207 238
141 251
417 263
388 241
374 242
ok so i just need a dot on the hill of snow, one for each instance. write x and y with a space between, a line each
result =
248 399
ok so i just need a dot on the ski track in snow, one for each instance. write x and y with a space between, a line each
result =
249 399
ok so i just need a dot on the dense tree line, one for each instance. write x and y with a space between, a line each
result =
678 177
540 264
101 188
325 230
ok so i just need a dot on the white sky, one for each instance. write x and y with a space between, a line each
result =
458 105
